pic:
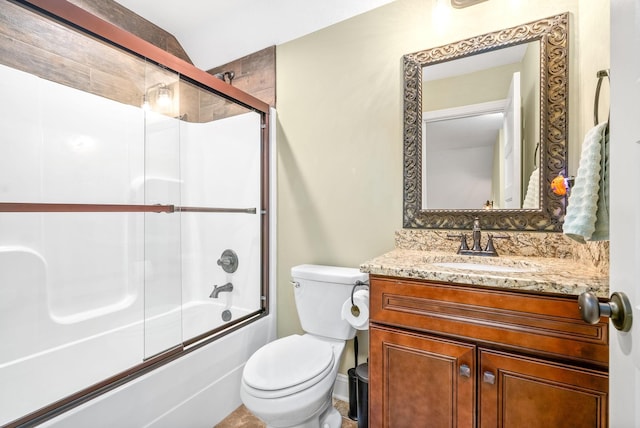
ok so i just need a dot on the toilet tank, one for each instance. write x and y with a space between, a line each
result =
320 292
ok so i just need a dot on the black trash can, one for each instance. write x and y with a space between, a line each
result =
353 394
362 373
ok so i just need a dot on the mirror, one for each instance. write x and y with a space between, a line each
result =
480 130
485 130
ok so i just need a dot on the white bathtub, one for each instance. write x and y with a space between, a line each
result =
197 390
39 379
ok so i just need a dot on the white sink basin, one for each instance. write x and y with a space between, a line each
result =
483 267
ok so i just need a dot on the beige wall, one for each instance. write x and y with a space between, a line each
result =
467 89
339 131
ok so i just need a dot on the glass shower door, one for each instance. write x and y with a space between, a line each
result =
161 185
220 214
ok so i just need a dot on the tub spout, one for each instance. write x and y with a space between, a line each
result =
217 289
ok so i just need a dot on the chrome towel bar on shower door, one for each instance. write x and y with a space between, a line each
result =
15 207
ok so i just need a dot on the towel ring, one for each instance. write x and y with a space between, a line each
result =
604 158
601 75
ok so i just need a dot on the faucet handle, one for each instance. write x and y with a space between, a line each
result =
490 248
228 261
463 241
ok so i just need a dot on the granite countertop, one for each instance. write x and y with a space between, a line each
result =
537 274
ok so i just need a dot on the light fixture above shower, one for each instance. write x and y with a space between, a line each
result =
160 94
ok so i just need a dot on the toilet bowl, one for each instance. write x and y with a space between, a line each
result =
291 383
288 383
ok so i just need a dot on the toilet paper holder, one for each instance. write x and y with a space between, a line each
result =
355 310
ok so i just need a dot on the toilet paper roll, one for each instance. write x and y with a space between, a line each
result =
361 320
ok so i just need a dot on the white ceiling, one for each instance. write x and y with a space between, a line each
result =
215 32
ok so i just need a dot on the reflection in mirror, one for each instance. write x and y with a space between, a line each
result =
485 123
481 124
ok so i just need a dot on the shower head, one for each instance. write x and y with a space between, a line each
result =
224 75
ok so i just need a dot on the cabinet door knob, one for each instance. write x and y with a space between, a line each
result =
488 377
465 370
618 308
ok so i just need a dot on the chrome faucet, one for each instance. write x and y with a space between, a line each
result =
219 289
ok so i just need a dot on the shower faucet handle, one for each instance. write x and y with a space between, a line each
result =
228 261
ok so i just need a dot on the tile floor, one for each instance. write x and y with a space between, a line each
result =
242 418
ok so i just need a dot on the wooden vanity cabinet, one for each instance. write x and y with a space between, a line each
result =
445 355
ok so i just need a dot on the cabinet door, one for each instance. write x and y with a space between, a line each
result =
516 391
419 381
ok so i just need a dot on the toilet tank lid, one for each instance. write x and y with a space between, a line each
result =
334 274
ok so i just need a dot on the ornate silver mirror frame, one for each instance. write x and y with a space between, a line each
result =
552 33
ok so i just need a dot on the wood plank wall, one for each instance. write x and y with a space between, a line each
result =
40 46
122 17
254 74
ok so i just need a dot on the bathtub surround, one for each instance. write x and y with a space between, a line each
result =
112 219
138 283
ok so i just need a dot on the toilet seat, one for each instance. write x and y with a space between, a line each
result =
288 365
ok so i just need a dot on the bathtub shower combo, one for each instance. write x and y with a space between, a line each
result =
133 238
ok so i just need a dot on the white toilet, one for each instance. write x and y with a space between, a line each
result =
289 382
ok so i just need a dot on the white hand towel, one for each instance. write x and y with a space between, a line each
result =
582 209
532 198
